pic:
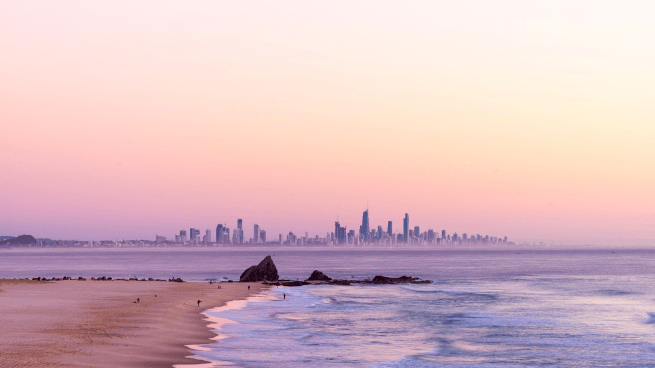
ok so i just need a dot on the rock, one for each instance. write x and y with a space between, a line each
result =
175 280
264 271
340 282
295 283
318 276
392 280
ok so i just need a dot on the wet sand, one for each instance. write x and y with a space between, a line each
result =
97 324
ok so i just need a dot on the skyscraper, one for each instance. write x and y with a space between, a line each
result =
192 234
389 228
417 231
239 232
406 228
208 234
219 233
443 234
255 237
364 230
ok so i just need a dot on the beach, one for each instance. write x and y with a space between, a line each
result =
100 323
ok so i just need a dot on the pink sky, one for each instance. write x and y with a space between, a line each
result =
526 119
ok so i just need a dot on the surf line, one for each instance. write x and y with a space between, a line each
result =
216 324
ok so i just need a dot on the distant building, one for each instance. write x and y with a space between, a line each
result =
389 228
365 229
208 235
219 233
255 236
159 239
183 236
417 231
406 228
443 234
192 234
262 236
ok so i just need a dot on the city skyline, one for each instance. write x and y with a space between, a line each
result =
531 119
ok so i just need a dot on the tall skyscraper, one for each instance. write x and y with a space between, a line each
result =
192 234
417 231
262 236
389 228
255 237
443 234
183 236
406 228
239 232
365 229
208 234
219 233
379 234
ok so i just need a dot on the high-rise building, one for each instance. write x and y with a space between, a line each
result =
417 231
337 226
239 232
365 229
208 234
379 234
406 229
255 237
389 228
183 236
262 236
443 234
219 233
192 234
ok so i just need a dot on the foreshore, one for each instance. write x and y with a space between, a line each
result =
100 323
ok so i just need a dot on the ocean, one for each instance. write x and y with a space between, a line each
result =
485 307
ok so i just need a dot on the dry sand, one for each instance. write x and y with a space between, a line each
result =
97 324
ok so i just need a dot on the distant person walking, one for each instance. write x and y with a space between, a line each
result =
199 302
248 287
137 300
285 295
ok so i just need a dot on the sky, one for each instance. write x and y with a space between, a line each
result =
526 119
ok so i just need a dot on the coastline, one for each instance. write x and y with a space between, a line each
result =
98 323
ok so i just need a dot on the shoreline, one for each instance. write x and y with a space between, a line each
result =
100 324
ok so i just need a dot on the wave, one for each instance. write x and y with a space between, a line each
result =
648 318
433 290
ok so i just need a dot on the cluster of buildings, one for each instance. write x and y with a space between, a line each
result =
341 236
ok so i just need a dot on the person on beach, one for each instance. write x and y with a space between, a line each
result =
285 295
137 300
248 287
199 302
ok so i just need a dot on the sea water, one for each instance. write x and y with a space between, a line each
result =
485 307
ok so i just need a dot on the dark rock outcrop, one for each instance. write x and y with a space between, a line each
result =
318 276
393 280
340 282
264 271
295 283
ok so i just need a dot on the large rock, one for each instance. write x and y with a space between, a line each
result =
318 276
264 271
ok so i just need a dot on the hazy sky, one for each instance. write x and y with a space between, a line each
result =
530 119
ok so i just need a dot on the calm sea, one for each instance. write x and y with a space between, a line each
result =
486 308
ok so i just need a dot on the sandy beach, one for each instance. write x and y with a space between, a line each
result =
98 324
